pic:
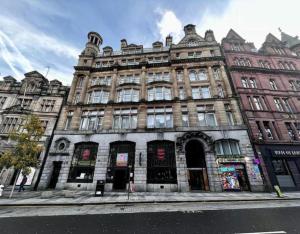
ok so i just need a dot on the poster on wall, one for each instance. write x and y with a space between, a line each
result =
122 159
86 154
161 154
29 177
229 178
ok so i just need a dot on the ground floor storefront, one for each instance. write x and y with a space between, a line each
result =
282 163
153 162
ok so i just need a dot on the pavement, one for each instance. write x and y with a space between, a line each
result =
71 197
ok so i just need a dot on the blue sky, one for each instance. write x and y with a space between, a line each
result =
35 34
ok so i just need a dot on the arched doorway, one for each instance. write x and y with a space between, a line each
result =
196 165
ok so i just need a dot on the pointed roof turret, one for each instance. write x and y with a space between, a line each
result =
289 40
232 35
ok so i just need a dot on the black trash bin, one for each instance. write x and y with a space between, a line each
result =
99 188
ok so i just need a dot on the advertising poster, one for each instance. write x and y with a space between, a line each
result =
122 159
29 177
86 154
160 154
229 178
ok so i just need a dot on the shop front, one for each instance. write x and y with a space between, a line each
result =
234 177
283 165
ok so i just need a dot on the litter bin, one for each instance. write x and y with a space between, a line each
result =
99 188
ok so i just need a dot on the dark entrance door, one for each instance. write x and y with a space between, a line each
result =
55 174
195 161
120 179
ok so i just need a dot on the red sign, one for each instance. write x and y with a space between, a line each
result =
161 154
86 154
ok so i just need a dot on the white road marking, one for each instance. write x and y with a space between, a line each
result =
275 232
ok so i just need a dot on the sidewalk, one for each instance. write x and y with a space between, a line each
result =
67 197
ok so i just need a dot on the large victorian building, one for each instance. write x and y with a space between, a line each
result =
164 117
268 84
33 95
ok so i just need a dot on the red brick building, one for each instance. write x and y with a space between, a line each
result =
267 82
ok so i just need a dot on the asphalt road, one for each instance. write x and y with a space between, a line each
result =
273 220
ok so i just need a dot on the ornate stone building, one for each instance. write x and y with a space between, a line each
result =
268 84
163 117
32 95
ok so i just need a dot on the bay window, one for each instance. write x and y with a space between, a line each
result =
159 93
129 79
91 120
128 95
125 119
160 117
98 96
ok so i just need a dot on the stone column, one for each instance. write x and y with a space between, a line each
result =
213 172
84 88
177 116
213 86
108 118
226 82
101 164
72 89
187 82
113 86
143 84
140 168
236 112
220 113
174 82
182 177
193 115
142 117
76 119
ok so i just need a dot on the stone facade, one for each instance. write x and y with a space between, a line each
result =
33 95
267 82
164 104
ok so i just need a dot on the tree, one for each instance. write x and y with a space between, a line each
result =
24 154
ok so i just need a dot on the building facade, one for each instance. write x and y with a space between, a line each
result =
32 95
268 84
164 118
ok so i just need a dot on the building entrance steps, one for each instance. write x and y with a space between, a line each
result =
71 197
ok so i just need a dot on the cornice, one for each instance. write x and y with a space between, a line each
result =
263 70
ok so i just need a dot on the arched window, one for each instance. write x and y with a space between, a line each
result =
193 75
227 147
202 75
161 163
83 162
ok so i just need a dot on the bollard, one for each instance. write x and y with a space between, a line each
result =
278 191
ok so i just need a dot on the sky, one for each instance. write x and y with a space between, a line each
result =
48 36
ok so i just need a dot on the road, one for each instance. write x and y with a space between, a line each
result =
203 218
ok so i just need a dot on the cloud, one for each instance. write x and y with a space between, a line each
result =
24 48
13 57
169 24
253 19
